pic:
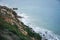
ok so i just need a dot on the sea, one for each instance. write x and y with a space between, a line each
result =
43 17
45 33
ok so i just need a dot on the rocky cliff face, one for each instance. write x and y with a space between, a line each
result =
13 29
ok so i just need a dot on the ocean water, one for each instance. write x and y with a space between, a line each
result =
43 13
44 32
44 17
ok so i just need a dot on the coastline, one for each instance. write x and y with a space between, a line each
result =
46 34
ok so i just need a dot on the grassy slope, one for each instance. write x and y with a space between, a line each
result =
4 26
12 28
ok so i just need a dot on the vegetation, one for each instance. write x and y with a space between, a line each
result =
12 28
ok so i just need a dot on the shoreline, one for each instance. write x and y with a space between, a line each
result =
46 34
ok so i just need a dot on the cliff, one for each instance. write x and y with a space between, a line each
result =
11 28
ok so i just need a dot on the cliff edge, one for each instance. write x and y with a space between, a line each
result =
11 28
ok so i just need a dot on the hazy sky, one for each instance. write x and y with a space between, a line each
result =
44 13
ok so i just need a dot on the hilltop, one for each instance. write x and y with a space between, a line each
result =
11 28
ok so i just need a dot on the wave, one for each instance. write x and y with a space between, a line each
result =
46 34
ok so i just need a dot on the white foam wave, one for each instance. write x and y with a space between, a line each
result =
46 34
